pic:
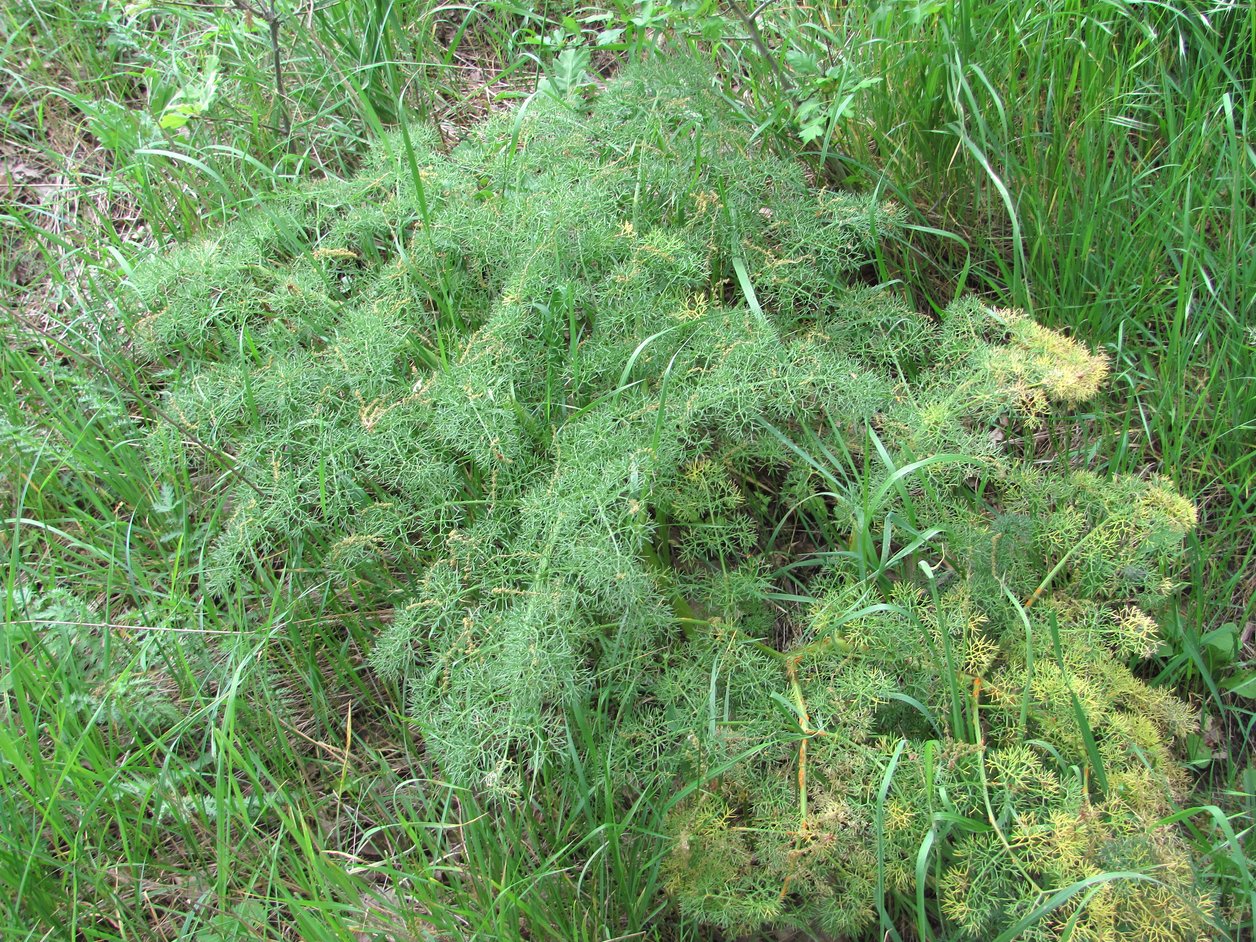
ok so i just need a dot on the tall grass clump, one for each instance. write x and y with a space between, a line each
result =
601 433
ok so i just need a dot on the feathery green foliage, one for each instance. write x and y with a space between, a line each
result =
602 403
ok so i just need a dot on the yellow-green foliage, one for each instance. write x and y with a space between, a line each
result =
871 764
602 407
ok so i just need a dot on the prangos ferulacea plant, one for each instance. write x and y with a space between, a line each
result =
602 407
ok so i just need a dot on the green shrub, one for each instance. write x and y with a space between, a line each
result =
604 406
